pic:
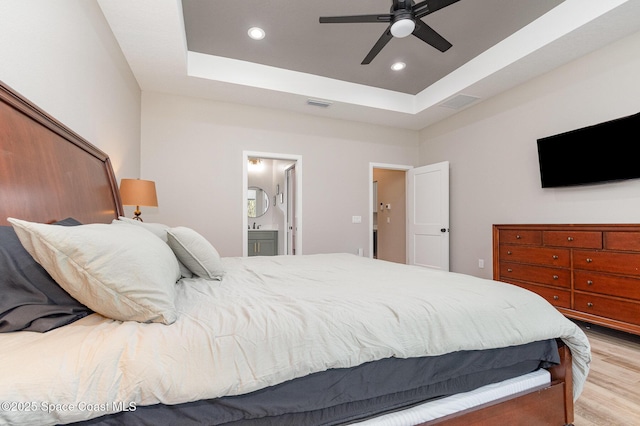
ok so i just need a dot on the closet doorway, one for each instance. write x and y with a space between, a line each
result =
279 178
426 213
388 212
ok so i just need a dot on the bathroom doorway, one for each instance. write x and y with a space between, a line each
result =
291 217
279 178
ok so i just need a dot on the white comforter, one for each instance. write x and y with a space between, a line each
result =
269 320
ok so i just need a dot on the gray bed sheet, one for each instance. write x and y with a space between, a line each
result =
340 396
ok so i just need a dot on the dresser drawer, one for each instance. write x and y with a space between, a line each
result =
580 239
536 255
521 236
537 274
620 310
619 240
613 285
557 297
602 261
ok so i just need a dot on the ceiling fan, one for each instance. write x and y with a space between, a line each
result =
404 19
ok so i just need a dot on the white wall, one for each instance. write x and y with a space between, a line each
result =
493 152
193 149
62 56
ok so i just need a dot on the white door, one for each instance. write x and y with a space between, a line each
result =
291 231
428 216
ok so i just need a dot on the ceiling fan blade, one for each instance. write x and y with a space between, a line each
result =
429 6
430 36
354 19
382 42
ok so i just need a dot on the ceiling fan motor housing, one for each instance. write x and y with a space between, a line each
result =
403 24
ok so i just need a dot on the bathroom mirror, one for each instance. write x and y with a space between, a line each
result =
257 201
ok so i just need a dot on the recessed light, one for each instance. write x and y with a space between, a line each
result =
256 33
398 66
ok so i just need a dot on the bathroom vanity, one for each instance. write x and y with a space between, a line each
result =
263 242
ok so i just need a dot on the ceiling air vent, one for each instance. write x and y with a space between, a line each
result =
459 101
318 103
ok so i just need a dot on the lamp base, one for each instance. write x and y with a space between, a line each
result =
137 214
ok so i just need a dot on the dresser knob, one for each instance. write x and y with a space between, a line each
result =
518 237
555 257
555 298
569 238
589 282
509 252
555 277
589 260
509 270
589 304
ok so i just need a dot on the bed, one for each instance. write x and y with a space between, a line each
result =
153 327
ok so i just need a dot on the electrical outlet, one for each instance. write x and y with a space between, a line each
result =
481 263
356 219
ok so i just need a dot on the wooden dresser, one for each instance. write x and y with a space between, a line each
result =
589 272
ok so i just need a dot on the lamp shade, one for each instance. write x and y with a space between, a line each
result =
138 192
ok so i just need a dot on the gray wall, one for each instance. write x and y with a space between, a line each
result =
193 149
493 153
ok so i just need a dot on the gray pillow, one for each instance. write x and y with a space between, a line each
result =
32 300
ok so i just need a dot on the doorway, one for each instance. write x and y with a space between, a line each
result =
280 177
387 236
426 215
389 215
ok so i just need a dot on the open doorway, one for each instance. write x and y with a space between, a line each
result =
388 213
277 225
426 214
291 211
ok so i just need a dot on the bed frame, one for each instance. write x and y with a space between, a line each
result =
48 173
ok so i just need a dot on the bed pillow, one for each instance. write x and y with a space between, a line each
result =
159 230
121 272
195 252
32 300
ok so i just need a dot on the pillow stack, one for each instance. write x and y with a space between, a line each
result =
122 273
127 272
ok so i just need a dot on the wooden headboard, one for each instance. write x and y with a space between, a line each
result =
48 172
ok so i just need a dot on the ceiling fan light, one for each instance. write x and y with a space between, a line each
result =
403 27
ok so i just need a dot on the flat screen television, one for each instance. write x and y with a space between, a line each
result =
604 152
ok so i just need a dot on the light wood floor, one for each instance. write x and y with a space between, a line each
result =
611 395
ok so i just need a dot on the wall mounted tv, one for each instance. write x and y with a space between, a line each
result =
601 153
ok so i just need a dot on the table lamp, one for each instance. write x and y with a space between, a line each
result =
138 192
